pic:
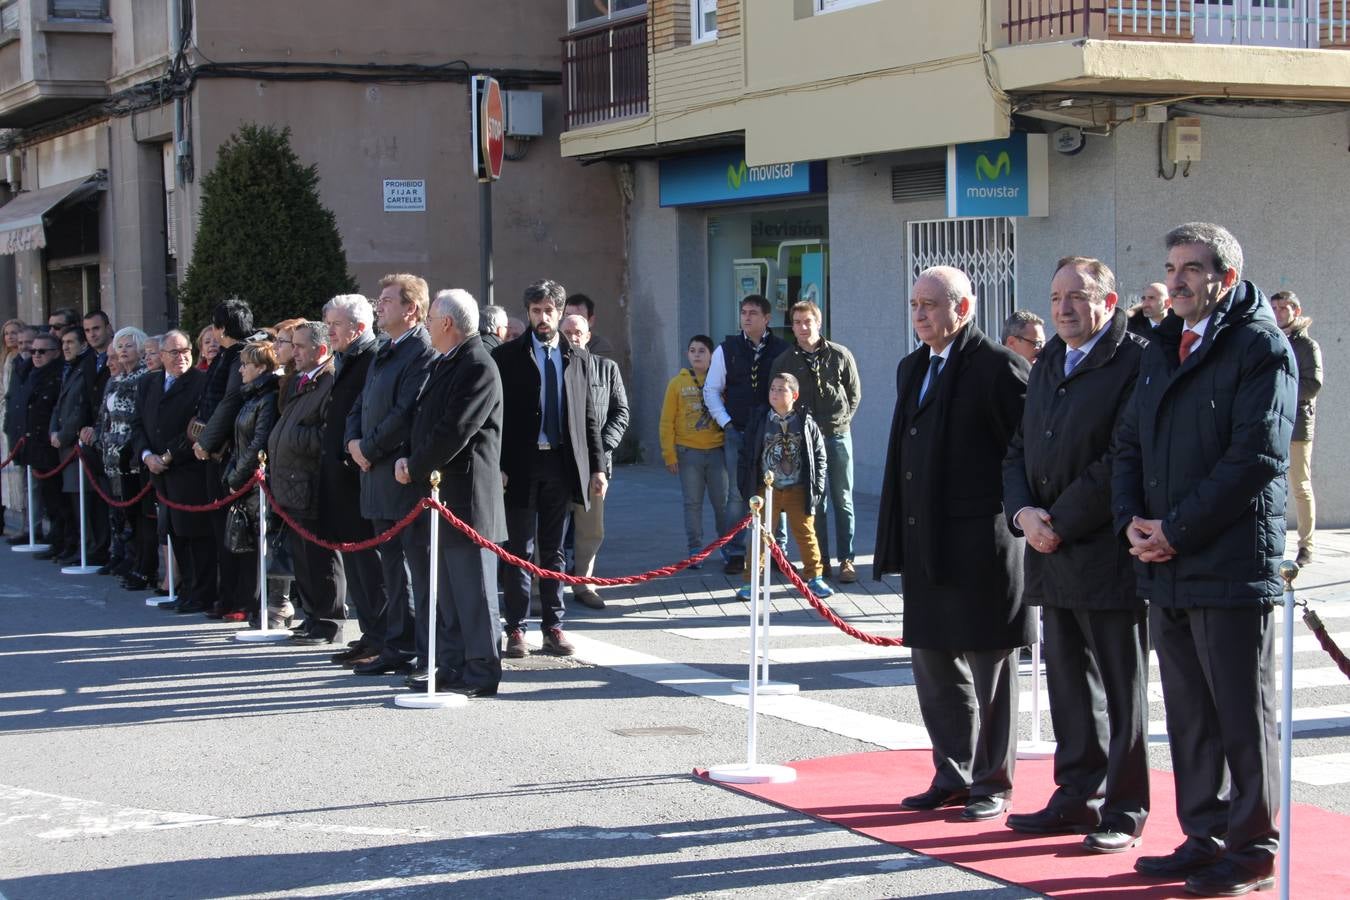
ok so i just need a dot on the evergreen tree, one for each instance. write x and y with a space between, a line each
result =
264 236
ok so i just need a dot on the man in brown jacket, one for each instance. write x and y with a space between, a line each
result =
294 452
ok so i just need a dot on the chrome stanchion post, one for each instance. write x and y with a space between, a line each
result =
1036 748
32 546
83 568
152 600
752 772
263 634
431 699
1288 571
762 576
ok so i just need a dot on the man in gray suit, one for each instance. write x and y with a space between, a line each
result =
378 431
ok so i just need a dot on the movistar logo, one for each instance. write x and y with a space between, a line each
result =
992 171
743 174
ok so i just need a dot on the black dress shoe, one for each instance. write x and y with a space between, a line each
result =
17 540
934 798
1047 821
355 650
161 592
980 808
169 604
383 665
192 606
320 632
416 679
734 566
109 568
472 691
49 553
1228 878
134 582
1106 840
1185 860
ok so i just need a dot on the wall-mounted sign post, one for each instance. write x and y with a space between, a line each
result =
999 178
488 114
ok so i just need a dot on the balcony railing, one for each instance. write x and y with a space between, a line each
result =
605 73
1276 23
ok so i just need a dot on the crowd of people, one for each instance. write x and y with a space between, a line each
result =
350 425
1128 476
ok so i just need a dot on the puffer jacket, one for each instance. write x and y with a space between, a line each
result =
611 400
252 427
750 464
830 387
296 444
1204 446
1308 357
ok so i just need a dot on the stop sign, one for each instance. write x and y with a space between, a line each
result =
490 128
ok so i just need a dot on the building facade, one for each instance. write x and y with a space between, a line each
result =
831 149
116 109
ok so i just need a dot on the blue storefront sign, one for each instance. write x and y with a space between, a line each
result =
999 178
723 177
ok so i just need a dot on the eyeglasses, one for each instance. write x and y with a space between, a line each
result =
1037 344
186 351
38 351
284 341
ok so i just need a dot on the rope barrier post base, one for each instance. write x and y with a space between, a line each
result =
764 684
32 546
1288 571
263 635
430 699
1036 748
752 771
83 568
152 600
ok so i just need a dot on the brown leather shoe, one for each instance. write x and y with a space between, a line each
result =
848 574
556 643
588 598
516 648
366 659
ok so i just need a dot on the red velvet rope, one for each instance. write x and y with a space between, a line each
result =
784 566
343 546
210 507
93 483
530 567
43 476
1314 623
15 452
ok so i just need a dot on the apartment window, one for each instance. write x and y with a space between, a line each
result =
586 13
9 17
78 9
832 5
705 20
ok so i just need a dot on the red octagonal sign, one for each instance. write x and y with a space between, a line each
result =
489 128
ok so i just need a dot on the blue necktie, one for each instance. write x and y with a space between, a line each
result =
1072 359
934 366
552 427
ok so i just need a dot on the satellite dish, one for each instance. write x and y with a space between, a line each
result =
1068 140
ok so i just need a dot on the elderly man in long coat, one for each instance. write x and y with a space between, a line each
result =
958 402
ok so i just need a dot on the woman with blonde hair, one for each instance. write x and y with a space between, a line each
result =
208 345
11 480
285 359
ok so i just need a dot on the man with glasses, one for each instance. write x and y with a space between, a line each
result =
1024 334
43 387
165 405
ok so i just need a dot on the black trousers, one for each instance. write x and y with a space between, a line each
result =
468 621
197 556
541 521
1096 671
400 623
319 576
968 700
63 535
1218 680
226 563
365 585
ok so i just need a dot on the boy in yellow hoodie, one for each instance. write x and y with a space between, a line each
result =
691 444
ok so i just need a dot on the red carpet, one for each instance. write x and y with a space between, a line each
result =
862 793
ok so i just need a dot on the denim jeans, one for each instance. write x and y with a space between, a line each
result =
839 456
703 471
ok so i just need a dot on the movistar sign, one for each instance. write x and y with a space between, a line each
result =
998 178
723 176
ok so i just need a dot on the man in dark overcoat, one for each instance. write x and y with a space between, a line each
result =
552 457
958 401
1199 491
40 394
166 403
73 413
378 430
1057 492
458 432
351 330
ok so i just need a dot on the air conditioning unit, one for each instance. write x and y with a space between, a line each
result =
14 171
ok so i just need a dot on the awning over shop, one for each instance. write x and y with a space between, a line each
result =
21 218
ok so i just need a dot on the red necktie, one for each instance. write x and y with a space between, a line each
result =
1188 340
304 379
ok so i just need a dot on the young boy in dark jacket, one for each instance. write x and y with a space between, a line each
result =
786 441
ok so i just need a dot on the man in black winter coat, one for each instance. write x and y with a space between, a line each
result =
1057 491
941 525
1308 365
1199 491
